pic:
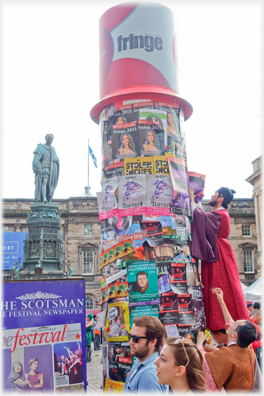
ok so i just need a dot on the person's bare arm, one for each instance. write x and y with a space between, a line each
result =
220 298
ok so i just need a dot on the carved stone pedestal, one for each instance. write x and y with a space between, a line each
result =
43 246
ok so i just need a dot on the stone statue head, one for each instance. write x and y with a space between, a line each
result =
48 137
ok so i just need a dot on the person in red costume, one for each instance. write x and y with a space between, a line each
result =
210 231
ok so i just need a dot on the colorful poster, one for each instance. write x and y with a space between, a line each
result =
44 331
197 182
138 166
159 194
167 223
117 322
142 281
180 183
198 307
12 249
168 308
120 361
125 141
113 170
151 138
107 204
152 230
186 312
134 235
113 386
131 195
122 288
143 310
172 110
161 165
156 116
177 277
163 276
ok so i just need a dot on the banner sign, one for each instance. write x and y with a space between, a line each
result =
43 336
12 248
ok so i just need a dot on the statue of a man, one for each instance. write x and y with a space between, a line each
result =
46 168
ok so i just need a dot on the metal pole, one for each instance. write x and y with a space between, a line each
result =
88 187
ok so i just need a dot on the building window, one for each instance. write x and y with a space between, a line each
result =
246 230
6 229
88 230
88 262
248 261
89 303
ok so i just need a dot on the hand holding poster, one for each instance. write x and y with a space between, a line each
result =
180 183
197 182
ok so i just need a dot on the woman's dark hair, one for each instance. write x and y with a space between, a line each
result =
194 370
154 329
247 334
32 361
21 365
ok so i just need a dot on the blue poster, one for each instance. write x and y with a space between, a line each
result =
12 248
43 336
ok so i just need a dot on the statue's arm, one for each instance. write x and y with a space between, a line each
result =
36 165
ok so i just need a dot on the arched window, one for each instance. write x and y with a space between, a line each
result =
89 302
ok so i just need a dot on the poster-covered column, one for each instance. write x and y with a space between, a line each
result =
144 206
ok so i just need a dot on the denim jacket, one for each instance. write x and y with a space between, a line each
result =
143 378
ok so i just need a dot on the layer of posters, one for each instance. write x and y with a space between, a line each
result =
151 138
118 251
173 127
143 310
138 166
131 195
163 276
142 281
117 322
124 114
107 205
134 235
168 308
161 165
113 170
120 225
198 307
197 182
142 105
120 361
186 311
108 238
152 231
45 320
113 386
159 194
177 277
125 141
179 176
167 223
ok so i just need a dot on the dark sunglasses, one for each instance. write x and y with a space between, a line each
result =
135 338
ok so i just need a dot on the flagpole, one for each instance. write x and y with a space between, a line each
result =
88 187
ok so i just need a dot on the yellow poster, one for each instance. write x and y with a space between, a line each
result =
117 322
161 165
113 386
138 166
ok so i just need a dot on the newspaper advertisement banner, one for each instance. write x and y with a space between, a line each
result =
43 336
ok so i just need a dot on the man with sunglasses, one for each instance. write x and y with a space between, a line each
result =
146 338
210 231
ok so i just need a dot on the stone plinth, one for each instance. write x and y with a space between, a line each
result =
43 246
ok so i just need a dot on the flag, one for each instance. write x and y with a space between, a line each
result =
93 156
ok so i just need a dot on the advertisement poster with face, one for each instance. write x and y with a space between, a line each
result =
177 277
159 194
143 310
180 183
173 125
125 141
163 276
117 322
168 308
142 281
197 182
161 165
186 311
131 195
138 166
198 307
156 116
120 360
43 336
151 138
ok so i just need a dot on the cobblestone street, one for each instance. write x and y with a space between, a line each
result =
95 373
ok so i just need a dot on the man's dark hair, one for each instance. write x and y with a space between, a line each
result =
256 305
142 273
247 334
154 329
